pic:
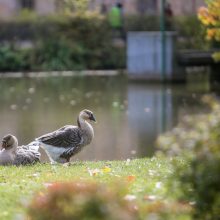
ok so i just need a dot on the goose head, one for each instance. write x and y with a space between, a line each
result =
9 141
87 115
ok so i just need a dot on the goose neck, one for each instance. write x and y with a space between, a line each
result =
13 149
82 123
87 130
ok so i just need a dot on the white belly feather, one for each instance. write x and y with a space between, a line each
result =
53 152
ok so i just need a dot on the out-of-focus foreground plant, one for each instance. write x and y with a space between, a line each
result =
210 18
81 200
197 140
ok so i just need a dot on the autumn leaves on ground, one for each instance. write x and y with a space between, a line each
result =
138 188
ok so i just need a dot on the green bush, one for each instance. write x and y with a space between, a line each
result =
94 35
12 59
191 34
58 55
81 200
79 41
84 40
197 140
142 23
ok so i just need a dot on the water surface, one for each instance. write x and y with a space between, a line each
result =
130 115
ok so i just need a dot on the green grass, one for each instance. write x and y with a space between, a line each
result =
145 178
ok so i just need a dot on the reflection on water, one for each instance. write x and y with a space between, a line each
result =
129 115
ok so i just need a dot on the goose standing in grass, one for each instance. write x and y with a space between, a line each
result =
65 142
12 154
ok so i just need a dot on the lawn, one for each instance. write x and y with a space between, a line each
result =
147 180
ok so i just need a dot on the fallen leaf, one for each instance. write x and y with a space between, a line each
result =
131 178
106 169
94 172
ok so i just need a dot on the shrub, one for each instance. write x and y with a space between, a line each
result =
142 23
190 33
58 55
70 6
81 200
84 40
93 34
12 59
210 18
79 41
197 140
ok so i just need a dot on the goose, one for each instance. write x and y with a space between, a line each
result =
12 154
62 144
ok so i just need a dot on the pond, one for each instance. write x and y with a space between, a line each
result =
130 115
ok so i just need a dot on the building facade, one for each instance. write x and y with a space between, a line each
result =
179 7
10 8
186 7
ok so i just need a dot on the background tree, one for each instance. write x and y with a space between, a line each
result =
210 18
70 6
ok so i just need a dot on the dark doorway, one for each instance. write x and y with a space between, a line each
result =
147 6
27 4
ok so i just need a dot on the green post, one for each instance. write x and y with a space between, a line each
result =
163 63
163 41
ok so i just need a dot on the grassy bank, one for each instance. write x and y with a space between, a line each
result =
147 181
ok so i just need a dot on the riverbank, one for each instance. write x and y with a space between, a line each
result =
147 181
61 73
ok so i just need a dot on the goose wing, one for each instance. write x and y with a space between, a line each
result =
68 136
70 152
26 156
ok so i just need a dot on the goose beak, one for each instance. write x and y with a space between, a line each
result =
92 118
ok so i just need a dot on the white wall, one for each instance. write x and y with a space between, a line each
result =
8 8
44 7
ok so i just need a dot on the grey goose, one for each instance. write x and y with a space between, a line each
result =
12 154
62 144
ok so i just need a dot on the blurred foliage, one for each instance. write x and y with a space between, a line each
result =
58 55
142 23
73 42
145 22
71 6
81 200
197 140
12 59
190 33
210 18
83 40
